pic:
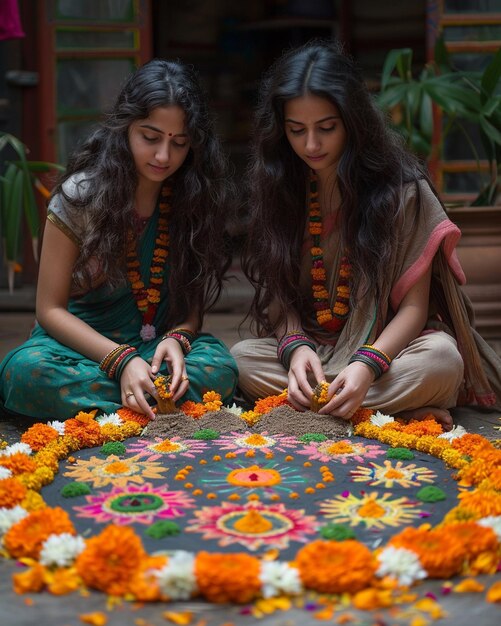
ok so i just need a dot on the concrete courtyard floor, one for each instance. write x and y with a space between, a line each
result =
47 610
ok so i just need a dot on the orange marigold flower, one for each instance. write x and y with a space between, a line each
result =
475 538
250 417
18 463
223 578
485 462
25 538
213 406
193 409
481 503
88 433
39 435
86 417
335 567
470 443
110 560
361 415
129 415
423 427
211 396
265 405
441 553
12 492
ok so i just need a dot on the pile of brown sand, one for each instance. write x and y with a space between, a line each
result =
286 420
281 420
181 425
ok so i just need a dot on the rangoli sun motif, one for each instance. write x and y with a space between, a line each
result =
370 510
115 471
387 475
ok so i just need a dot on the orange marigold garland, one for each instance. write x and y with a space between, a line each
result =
332 319
39 435
441 554
110 559
223 578
148 297
323 566
25 538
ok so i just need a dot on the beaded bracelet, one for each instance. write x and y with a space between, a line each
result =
108 358
289 343
376 359
123 362
183 336
119 360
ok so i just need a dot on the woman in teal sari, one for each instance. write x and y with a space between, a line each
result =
134 253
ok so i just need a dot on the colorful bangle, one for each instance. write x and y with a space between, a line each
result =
181 338
376 359
123 362
289 343
109 359
113 368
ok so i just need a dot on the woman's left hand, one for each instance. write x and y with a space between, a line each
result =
348 391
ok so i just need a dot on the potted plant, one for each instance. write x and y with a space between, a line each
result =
464 100
18 181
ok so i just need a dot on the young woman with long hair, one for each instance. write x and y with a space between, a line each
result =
134 253
351 255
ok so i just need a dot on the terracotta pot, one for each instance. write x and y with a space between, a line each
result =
479 251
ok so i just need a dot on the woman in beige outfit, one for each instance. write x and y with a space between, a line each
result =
352 257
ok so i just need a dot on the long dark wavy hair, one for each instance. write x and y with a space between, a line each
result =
202 193
371 174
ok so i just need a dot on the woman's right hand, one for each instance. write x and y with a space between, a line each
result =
135 382
303 361
170 351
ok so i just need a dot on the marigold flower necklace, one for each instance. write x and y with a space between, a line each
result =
334 318
148 298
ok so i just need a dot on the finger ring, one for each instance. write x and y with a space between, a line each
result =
129 394
184 378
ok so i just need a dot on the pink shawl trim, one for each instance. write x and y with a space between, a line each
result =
445 233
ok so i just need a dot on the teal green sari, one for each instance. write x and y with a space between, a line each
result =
45 379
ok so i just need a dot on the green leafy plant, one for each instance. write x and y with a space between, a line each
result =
461 96
18 181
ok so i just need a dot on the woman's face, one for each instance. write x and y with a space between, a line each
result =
159 144
315 132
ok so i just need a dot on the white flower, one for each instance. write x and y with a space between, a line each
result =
59 426
61 550
5 473
402 564
148 332
177 578
9 517
112 418
457 431
236 410
493 522
15 448
380 419
279 578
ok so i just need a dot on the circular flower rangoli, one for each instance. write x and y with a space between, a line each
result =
144 504
370 510
388 475
253 524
